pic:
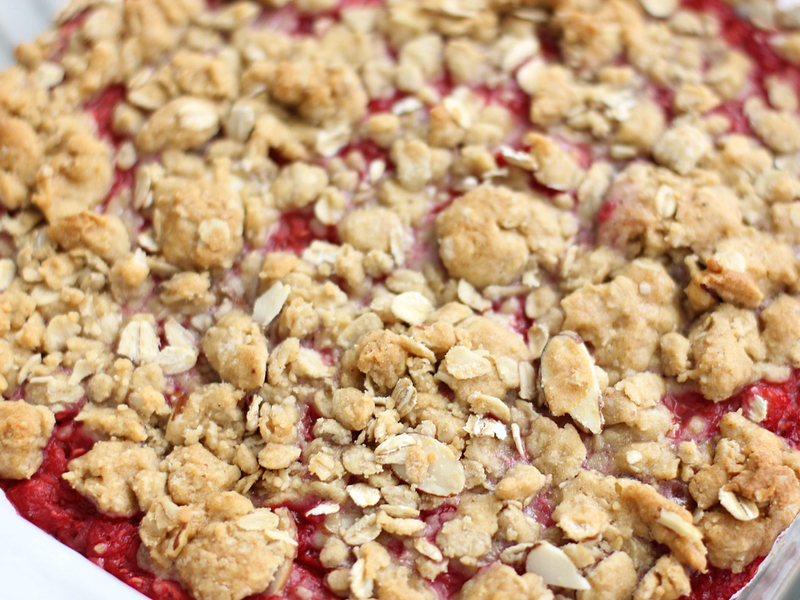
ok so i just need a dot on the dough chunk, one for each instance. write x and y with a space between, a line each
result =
199 225
237 350
24 431
106 474
486 235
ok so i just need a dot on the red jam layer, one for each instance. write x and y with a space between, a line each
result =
783 409
296 230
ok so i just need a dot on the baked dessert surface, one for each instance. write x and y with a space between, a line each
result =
411 299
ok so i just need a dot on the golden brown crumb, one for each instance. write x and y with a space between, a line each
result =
24 431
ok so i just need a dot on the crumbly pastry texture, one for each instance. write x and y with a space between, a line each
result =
467 284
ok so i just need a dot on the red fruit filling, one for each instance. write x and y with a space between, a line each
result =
296 230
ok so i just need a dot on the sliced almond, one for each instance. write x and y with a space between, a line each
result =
483 404
480 427
412 308
518 158
740 509
8 270
427 549
471 297
757 411
462 363
269 304
527 377
660 8
325 508
138 342
555 567
445 476
569 382
673 521
363 495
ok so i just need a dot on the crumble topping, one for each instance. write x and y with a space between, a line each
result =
435 281
106 474
24 431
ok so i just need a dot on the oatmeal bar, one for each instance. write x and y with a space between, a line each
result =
419 299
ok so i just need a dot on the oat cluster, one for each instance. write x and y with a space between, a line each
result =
425 269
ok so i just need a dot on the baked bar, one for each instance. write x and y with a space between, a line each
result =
419 299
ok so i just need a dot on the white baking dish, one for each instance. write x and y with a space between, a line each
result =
35 566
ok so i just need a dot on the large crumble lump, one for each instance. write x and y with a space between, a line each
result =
487 235
24 431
